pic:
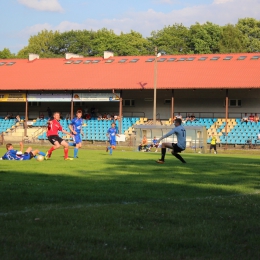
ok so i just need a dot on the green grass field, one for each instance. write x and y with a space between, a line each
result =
126 206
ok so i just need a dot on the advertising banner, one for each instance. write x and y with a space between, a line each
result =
55 97
12 97
97 97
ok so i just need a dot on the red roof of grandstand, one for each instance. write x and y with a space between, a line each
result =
95 73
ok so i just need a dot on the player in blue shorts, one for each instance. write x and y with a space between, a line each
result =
16 155
111 134
76 130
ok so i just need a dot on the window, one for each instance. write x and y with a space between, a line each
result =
202 58
134 60
87 62
128 102
235 102
148 99
10 63
109 61
241 57
2 63
171 59
77 62
255 57
181 59
150 60
34 104
123 61
68 62
228 58
161 60
191 59
214 58
95 61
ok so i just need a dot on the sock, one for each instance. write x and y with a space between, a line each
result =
51 150
42 153
72 144
179 157
76 152
66 151
163 153
110 149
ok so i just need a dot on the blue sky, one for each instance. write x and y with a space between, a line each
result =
22 18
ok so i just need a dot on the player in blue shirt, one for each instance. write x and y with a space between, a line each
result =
111 134
76 129
16 155
180 132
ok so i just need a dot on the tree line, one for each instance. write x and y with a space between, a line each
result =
173 39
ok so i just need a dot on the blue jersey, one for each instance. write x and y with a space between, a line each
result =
155 141
11 155
77 124
112 132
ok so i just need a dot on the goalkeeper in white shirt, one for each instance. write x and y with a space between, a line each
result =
180 132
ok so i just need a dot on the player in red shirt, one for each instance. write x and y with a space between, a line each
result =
52 134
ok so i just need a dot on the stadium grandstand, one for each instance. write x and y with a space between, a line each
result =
218 89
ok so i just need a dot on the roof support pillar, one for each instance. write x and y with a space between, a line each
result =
172 106
26 115
71 106
226 126
120 111
155 87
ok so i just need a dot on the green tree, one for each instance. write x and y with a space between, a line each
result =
6 54
233 40
171 39
205 38
41 44
250 27
129 44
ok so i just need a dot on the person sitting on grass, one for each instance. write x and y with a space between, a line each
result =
12 154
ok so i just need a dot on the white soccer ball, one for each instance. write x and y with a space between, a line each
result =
40 158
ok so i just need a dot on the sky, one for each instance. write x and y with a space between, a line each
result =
21 19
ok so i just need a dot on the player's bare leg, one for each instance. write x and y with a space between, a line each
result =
54 147
66 150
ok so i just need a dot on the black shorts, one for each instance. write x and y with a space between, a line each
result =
176 148
213 146
55 138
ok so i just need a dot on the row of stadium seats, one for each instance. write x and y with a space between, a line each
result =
238 132
7 124
92 129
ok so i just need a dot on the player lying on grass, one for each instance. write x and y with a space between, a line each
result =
76 130
180 132
111 134
52 133
12 154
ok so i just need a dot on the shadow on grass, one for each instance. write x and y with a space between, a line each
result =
129 207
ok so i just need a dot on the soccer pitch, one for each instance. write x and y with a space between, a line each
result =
126 206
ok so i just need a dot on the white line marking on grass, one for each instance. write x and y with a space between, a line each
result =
80 206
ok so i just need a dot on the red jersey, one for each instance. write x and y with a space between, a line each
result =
53 127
